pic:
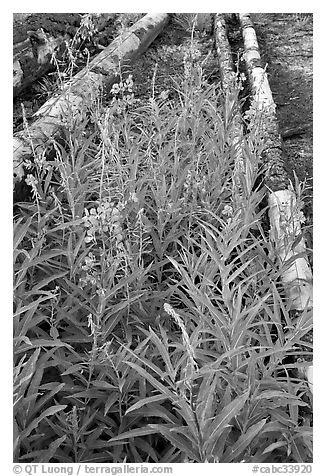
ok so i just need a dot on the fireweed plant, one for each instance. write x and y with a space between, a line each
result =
149 321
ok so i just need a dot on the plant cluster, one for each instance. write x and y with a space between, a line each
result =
149 321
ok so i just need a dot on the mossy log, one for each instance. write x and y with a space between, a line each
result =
84 88
283 210
37 36
231 93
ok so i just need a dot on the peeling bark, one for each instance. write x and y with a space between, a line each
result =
283 211
285 232
285 227
263 103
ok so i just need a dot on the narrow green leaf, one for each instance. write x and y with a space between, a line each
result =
163 389
111 400
222 420
104 385
20 231
179 441
94 435
112 320
147 449
274 446
159 411
90 393
163 351
41 401
41 259
29 367
45 343
16 433
46 281
73 369
187 433
33 388
48 454
68 224
48 412
236 273
133 433
32 305
269 394
146 401
147 362
206 398
240 446
19 339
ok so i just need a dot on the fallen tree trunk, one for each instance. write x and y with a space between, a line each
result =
285 217
85 88
40 35
264 108
231 92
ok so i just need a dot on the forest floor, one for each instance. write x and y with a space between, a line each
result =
150 320
286 45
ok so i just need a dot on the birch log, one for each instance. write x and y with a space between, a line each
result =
85 88
285 217
264 108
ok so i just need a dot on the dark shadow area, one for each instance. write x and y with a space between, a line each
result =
285 42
